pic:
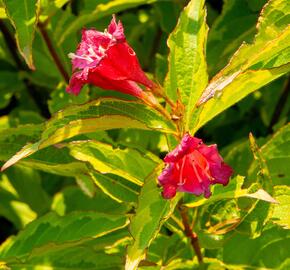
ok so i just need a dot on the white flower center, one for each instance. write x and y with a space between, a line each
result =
90 56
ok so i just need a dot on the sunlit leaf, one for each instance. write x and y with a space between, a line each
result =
127 163
102 114
260 212
187 74
233 190
252 66
73 199
151 213
234 25
24 16
276 152
116 187
281 210
52 229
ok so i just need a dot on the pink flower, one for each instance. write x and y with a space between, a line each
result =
105 59
192 167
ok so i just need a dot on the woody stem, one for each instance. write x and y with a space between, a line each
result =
53 52
190 234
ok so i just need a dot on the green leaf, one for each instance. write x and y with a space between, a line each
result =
52 229
237 89
61 99
101 114
236 24
208 263
238 156
26 182
151 213
115 187
252 66
233 190
260 212
55 161
12 139
276 153
86 184
23 15
104 253
110 241
187 66
282 209
268 251
2 13
9 86
16 211
49 8
127 163
60 258
99 12
73 199
166 248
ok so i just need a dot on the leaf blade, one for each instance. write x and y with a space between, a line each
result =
187 65
252 66
127 163
24 16
40 232
101 114
151 213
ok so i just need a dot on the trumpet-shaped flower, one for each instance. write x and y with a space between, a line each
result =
105 59
192 167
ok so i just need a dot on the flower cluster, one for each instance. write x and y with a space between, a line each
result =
105 59
192 167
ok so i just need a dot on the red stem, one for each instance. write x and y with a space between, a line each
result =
190 234
53 53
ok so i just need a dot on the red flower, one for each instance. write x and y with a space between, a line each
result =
104 59
192 167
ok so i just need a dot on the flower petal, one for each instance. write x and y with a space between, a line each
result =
121 63
124 86
193 167
116 29
221 174
182 149
195 178
105 60
76 83
169 191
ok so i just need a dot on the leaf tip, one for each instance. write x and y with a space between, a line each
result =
5 166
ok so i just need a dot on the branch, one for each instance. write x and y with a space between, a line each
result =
190 234
53 52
